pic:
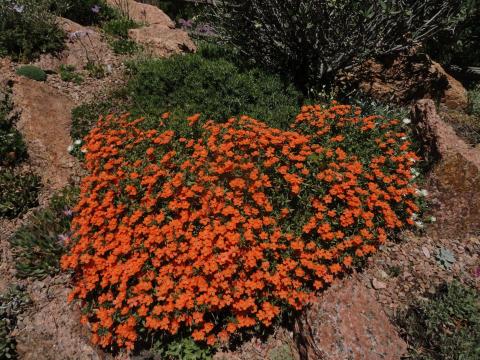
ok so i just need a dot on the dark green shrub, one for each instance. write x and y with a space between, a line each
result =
461 45
310 41
119 27
67 73
28 30
40 243
85 12
124 46
12 146
445 327
32 72
18 192
185 85
12 304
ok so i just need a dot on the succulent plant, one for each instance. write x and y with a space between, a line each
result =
445 258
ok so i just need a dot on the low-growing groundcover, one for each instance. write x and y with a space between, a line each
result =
38 245
216 87
217 229
446 326
18 192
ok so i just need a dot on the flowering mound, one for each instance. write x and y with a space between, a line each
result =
228 228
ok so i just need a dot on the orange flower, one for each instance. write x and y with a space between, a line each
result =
230 228
193 119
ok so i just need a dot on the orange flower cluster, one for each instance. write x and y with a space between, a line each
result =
223 232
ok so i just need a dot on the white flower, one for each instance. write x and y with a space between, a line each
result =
403 138
84 150
70 148
406 121
414 172
422 192
414 216
419 224
19 8
433 219
78 142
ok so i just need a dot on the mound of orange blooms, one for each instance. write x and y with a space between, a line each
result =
224 230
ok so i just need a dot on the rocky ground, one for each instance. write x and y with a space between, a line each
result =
351 320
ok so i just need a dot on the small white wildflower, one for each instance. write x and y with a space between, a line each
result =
84 150
419 224
406 121
414 216
78 142
421 192
18 8
433 219
70 148
403 138
414 172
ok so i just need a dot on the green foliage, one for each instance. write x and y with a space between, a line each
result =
86 115
474 102
119 27
184 85
461 45
67 73
118 30
39 244
310 41
95 69
32 72
181 348
124 46
446 326
12 304
12 146
85 12
18 192
28 29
